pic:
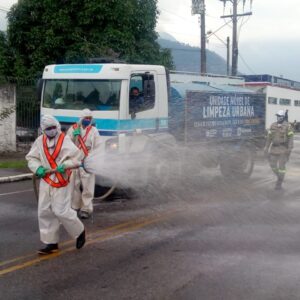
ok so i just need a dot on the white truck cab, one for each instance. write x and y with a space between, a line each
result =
105 89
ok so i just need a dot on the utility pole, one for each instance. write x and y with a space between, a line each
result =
198 8
235 49
228 55
234 16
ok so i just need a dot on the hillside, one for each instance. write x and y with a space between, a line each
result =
187 58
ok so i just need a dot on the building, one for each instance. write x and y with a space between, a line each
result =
281 94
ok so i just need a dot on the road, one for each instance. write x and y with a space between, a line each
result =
211 239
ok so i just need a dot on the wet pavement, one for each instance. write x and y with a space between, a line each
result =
211 238
11 172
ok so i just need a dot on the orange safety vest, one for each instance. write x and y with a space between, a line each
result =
82 140
61 181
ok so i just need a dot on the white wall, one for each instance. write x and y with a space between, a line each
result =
8 125
280 92
218 79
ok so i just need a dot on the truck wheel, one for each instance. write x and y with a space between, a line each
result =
240 165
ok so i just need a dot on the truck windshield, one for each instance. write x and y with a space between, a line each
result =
79 94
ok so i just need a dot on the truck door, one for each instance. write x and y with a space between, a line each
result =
143 104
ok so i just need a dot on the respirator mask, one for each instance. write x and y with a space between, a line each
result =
280 119
86 122
51 132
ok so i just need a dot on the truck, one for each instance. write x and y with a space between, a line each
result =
183 125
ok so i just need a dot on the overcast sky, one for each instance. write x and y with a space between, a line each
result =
269 40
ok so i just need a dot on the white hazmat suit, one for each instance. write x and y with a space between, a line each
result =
86 141
55 192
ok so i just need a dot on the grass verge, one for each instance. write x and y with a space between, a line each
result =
13 164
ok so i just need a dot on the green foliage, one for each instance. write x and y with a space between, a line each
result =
4 54
61 31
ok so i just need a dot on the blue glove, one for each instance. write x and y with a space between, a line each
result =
41 172
61 169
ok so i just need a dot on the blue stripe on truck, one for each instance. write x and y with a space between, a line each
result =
77 69
112 126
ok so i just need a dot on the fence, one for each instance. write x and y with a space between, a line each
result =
7 117
27 112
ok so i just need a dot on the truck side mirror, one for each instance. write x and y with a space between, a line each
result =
149 93
133 115
40 88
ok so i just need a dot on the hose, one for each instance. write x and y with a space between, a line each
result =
108 193
35 181
35 188
104 196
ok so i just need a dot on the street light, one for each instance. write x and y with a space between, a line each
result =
227 44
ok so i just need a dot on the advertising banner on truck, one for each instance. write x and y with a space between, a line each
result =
224 115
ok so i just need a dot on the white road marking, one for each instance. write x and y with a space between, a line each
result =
18 192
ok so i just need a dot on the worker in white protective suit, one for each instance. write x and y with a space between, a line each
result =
86 137
53 150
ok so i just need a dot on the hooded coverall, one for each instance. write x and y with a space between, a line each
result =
55 192
88 140
279 145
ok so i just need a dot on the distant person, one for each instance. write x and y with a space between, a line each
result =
295 125
53 150
279 145
92 98
86 138
136 101
58 94
286 115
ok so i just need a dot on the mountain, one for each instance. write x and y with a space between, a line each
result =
187 58
166 36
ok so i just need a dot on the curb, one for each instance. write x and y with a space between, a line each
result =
16 178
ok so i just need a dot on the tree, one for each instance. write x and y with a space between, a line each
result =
4 54
42 32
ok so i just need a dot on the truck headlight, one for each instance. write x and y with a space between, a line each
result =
112 145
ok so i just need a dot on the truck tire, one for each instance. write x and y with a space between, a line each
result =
238 165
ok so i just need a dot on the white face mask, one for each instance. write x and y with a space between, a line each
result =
51 132
280 119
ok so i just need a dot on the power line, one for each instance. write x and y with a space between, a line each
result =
210 34
4 10
249 68
172 13
234 16
242 24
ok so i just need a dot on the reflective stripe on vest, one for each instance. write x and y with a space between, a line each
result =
51 160
82 140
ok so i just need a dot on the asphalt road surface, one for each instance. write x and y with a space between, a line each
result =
209 239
